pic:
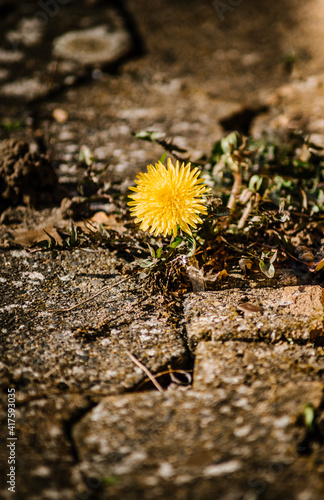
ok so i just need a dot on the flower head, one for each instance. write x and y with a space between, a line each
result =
167 197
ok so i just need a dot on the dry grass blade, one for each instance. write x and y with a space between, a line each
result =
105 289
145 370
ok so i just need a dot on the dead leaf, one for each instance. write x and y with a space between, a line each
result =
109 221
249 308
28 238
245 265
314 267
214 277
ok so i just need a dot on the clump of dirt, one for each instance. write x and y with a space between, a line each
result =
26 178
76 208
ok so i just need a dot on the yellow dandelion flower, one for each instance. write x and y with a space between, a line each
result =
168 197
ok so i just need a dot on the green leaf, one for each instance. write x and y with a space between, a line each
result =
258 184
309 416
176 242
273 256
159 252
280 182
74 234
267 268
152 251
149 136
216 152
86 156
230 142
146 263
110 480
163 157
192 245
9 126
53 241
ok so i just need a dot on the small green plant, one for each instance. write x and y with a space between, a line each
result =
265 189
110 480
245 207
71 241
180 245
309 416
9 126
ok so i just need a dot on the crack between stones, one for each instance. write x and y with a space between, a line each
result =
69 424
138 49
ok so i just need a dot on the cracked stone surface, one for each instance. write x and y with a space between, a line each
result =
184 440
84 349
43 435
257 365
291 313
60 363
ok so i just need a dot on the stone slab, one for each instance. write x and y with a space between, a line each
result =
44 351
230 440
292 313
238 433
258 366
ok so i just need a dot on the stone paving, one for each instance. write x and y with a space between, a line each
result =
239 431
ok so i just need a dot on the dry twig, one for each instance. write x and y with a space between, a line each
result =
145 370
105 289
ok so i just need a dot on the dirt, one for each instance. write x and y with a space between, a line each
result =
26 178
